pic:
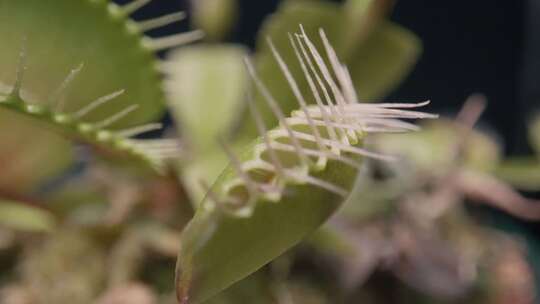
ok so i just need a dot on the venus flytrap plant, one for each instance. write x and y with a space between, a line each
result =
287 182
67 104
115 143
21 217
106 38
377 52
224 81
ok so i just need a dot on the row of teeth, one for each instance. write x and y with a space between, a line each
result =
336 114
153 44
156 151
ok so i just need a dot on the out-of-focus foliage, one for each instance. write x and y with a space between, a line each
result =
206 86
24 170
17 216
214 17
523 172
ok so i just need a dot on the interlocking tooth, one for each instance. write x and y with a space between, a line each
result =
361 125
57 98
358 110
362 111
347 148
328 99
330 129
401 105
158 142
237 165
157 22
318 153
348 83
97 103
21 69
164 43
261 128
116 117
327 75
274 106
348 90
318 182
133 6
138 130
299 98
157 150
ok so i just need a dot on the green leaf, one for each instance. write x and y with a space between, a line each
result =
59 56
214 17
18 216
206 88
523 173
22 167
361 17
433 148
109 143
205 168
60 35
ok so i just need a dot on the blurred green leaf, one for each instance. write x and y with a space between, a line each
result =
523 173
29 153
19 216
206 88
204 168
433 148
361 17
214 17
